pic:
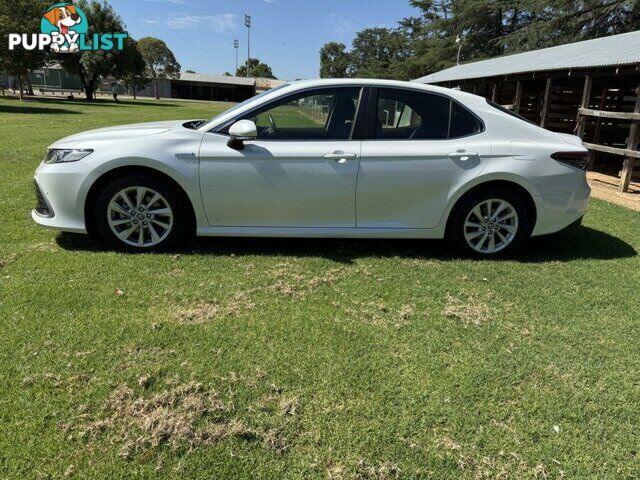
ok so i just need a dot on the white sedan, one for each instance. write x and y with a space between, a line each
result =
324 158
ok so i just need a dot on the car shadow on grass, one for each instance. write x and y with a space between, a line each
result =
579 243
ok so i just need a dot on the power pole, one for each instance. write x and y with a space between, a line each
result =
236 45
247 23
459 42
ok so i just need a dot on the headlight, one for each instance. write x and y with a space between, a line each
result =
59 155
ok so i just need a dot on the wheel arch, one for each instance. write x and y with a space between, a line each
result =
104 179
510 185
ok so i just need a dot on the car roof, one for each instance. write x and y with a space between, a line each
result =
365 81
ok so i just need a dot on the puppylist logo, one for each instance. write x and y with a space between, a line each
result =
64 29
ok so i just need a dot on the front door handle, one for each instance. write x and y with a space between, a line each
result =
340 157
463 155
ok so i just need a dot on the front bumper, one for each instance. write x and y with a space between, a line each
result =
559 210
64 188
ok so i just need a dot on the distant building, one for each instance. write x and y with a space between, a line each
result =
589 88
200 86
190 86
52 77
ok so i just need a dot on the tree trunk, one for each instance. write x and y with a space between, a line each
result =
85 86
157 89
133 87
20 87
91 88
29 86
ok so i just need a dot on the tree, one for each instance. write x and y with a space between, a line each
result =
131 67
377 53
190 71
257 69
91 65
488 28
161 63
15 17
334 60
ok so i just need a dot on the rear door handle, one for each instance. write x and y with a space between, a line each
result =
340 157
463 155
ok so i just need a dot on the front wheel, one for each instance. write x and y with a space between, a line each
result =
490 223
139 213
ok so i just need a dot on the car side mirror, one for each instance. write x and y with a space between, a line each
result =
240 132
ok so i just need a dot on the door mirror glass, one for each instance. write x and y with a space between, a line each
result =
241 131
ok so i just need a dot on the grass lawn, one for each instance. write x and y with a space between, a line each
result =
307 359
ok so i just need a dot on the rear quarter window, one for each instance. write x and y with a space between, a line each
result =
463 122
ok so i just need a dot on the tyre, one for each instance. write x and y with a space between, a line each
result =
490 223
141 213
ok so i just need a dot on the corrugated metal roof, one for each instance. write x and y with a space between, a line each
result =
206 78
620 49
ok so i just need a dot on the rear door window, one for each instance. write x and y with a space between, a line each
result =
412 115
409 115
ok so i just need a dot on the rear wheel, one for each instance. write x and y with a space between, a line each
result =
490 223
139 213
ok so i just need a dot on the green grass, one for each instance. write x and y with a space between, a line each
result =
315 359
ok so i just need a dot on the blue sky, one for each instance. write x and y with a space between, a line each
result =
286 34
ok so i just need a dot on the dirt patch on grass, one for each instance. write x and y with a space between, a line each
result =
379 471
502 465
295 284
378 313
470 311
239 303
179 416
4 261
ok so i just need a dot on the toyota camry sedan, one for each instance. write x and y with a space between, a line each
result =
324 158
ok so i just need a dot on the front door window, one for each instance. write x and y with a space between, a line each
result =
323 114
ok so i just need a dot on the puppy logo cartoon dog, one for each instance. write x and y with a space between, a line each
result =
64 18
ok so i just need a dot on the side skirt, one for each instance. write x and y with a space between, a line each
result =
320 232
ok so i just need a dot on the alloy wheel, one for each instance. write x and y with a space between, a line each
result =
491 226
140 216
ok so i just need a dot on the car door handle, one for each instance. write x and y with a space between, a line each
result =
463 155
340 157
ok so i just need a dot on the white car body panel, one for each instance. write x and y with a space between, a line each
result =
408 183
387 189
279 183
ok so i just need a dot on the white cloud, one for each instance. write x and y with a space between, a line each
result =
220 23
341 25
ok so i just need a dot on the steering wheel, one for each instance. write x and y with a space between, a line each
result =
272 122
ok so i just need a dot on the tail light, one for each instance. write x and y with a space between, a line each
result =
575 159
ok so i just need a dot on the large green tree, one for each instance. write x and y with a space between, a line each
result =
20 16
257 69
486 28
92 65
160 60
131 67
378 53
334 60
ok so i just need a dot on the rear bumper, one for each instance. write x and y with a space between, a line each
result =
64 188
559 210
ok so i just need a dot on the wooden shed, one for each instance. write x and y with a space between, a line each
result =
589 88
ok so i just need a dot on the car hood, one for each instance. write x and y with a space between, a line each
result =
121 132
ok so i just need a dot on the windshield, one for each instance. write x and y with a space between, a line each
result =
249 100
